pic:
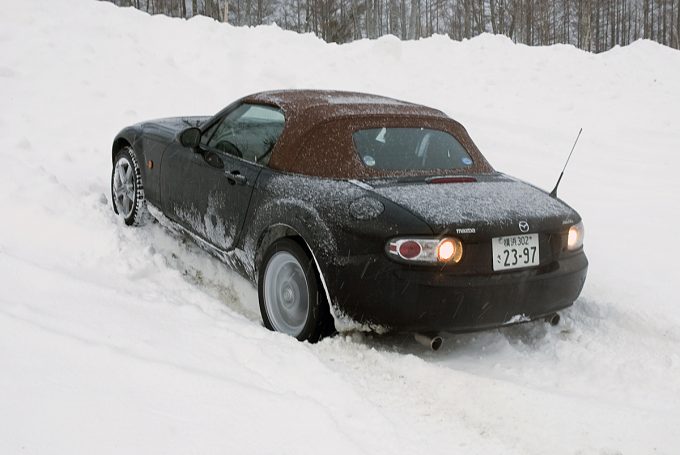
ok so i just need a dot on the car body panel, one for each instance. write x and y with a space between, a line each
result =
212 206
395 296
492 205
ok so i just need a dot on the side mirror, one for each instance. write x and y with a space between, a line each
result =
190 137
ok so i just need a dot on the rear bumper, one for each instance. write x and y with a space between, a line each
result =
374 290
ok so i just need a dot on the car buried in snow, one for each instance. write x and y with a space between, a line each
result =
355 210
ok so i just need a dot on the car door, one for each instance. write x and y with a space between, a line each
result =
208 190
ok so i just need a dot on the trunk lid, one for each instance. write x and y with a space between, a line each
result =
493 205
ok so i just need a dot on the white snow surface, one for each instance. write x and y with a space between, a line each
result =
124 340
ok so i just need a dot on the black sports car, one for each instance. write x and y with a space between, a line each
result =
349 209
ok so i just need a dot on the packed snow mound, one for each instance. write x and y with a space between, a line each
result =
120 340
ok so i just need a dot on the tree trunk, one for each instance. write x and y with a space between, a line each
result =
677 28
597 28
412 19
664 34
513 18
494 20
671 38
529 23
645 16
466 15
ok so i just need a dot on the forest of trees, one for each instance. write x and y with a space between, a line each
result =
593 25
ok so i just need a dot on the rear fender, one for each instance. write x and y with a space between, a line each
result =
290 218
279 231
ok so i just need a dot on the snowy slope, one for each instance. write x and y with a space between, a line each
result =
118 340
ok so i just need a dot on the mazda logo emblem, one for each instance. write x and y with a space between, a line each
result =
524 226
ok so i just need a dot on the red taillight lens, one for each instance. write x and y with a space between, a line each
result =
409 249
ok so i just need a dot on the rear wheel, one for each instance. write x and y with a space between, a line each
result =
127 191
289 293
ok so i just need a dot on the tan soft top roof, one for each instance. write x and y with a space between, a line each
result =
329 104
317 138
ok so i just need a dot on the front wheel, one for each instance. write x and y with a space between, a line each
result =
127 190
289 293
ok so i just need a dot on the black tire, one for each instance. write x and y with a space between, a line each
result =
131 206
316 321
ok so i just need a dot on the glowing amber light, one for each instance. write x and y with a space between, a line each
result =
450 250
575 237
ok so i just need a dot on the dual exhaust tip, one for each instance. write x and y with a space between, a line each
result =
434 341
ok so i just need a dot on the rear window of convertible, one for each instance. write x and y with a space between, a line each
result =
410 149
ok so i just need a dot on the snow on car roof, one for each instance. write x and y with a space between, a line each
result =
317 138
332 103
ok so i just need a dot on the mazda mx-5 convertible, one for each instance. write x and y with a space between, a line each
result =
354 210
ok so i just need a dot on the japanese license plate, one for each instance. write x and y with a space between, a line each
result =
515 251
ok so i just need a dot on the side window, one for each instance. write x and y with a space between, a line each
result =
250 132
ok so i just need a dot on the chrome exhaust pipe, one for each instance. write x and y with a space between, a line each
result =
553 319
433 342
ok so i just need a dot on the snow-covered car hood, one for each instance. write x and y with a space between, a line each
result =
495 201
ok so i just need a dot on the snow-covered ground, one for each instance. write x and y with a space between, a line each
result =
119 340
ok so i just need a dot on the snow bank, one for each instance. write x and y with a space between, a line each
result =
117 340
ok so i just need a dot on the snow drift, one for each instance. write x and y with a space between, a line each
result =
119 340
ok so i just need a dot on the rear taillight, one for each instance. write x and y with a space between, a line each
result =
575 237
448 250
410 249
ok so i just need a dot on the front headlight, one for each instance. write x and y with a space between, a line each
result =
575 237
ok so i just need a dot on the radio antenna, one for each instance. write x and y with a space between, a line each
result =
553 193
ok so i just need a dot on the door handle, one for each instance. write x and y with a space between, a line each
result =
236 178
